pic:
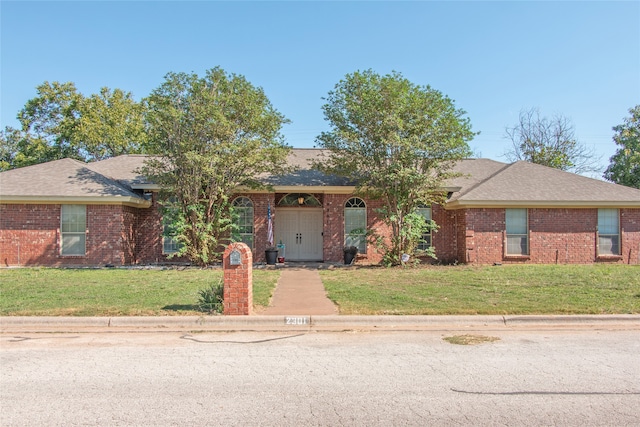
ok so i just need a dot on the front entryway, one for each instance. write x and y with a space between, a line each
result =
300 229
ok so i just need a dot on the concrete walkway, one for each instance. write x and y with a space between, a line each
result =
300 291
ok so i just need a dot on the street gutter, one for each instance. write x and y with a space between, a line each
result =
11 324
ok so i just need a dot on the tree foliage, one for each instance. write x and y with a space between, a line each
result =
549 142
18 149
624 167
212 134
47 124
109 124
398 142
60 122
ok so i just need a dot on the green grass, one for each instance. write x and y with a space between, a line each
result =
531 289
113 292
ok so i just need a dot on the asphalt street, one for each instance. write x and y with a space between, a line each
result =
549 376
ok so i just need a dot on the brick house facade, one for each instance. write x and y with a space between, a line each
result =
496 213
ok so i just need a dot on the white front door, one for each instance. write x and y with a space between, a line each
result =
300 229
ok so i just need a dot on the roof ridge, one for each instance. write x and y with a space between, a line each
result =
65 159
486 179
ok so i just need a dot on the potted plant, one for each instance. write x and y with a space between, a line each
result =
271 255
350 253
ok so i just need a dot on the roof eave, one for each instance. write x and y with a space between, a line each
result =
464 204
146 187
134 202
320 189
317 189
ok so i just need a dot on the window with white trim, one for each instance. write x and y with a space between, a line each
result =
425 242
608 232
517 231
243 219
355 224
170 244
73 230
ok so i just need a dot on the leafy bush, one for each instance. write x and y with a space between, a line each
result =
211 298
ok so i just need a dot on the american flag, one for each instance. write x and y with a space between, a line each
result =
269 226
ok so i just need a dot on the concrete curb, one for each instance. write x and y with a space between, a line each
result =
318 323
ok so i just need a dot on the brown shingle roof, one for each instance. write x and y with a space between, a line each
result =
63 180
123 169
526 184
484 183
302 159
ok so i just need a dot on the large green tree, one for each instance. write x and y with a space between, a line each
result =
211 134
18 149
398 142
549 142
109 124
60 122
47 125
624 167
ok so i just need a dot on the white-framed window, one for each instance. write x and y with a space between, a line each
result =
355 224
73 230
425 242
517 225
243 217
608 232
170 244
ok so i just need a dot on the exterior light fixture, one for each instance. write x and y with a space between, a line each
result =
301 200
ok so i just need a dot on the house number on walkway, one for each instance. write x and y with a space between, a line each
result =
296 320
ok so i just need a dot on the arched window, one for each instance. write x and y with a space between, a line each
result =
425 242
299 199
355 224
243 221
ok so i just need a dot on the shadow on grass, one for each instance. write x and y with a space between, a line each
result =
181 307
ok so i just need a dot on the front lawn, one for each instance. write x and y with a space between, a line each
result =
524 289
114 292
530 289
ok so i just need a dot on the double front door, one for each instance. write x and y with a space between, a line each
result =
300 229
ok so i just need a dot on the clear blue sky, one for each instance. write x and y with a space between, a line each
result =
577 59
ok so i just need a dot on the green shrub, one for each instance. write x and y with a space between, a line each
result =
211 298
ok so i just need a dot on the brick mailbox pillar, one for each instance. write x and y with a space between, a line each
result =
237 263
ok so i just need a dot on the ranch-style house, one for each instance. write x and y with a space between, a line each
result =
68 213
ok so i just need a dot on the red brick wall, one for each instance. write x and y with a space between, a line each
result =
129 235
148 233
120 235
445 239
464 245
117 235
564 236
105 238
375 222
630 226
482 239
30 235
333 238
333 241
